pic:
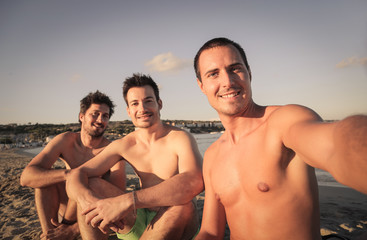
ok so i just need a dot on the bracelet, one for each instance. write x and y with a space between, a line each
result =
134 196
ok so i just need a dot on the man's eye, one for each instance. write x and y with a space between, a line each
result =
237 69
214 74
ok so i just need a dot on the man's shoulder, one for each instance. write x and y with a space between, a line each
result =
291 112
177 133
127 140
66 136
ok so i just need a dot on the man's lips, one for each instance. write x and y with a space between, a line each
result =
144 116
230 94
98 125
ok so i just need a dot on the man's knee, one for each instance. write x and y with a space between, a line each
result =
180 214
103 187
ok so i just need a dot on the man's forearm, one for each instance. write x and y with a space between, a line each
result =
37 177
177 190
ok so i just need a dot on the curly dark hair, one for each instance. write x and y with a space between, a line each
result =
96 98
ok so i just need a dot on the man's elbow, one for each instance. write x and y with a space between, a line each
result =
196 185
24 179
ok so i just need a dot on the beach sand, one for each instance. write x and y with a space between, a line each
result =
343 210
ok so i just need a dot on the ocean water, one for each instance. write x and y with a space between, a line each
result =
206 139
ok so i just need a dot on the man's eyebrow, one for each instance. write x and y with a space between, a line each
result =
147 98
236 64
210 71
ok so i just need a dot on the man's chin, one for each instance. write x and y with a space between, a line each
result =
97 134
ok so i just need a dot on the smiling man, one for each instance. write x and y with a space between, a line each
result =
259 176
57 214
168 163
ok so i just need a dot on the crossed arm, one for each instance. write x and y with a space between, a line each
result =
38 172
107 212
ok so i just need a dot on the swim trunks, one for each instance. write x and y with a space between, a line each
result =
143 218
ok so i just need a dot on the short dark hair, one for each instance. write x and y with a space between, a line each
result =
139 80
219 42
96 98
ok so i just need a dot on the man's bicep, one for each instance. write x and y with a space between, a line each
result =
189 155
310 138
49 154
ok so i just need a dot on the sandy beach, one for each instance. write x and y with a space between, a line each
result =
343 210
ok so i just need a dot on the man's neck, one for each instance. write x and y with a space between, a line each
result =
152 133
89 141
243 123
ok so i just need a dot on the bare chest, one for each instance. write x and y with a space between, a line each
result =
251 170
76 157
154 164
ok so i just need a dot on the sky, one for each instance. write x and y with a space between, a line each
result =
53 53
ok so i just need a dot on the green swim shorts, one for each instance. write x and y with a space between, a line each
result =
143 218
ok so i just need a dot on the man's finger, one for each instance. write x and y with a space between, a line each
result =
90 216
96 221
88 209
54 222
103 227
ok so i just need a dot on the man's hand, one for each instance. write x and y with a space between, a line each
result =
109 213
61 231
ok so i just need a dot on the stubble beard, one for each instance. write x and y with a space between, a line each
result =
95 133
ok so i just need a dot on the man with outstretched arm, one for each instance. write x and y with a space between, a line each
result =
259 175
168 164
57 213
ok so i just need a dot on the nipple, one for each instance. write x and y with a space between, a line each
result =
263 187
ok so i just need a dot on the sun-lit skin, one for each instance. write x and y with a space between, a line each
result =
143 107
228 89
250 176
95 119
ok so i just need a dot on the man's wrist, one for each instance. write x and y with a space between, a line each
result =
133 193
66 173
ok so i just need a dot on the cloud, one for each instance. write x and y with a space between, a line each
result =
167 62
75 78
352 61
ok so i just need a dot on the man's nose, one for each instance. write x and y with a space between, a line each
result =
227 79
142 107
99 118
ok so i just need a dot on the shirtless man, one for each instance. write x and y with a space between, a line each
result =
73 149
259 175
168 163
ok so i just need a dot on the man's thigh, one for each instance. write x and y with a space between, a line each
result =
176 222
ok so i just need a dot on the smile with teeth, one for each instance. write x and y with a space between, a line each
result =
230 95
144 116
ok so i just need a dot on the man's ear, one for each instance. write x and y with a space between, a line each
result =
128 111
160 104
81 117
200 85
